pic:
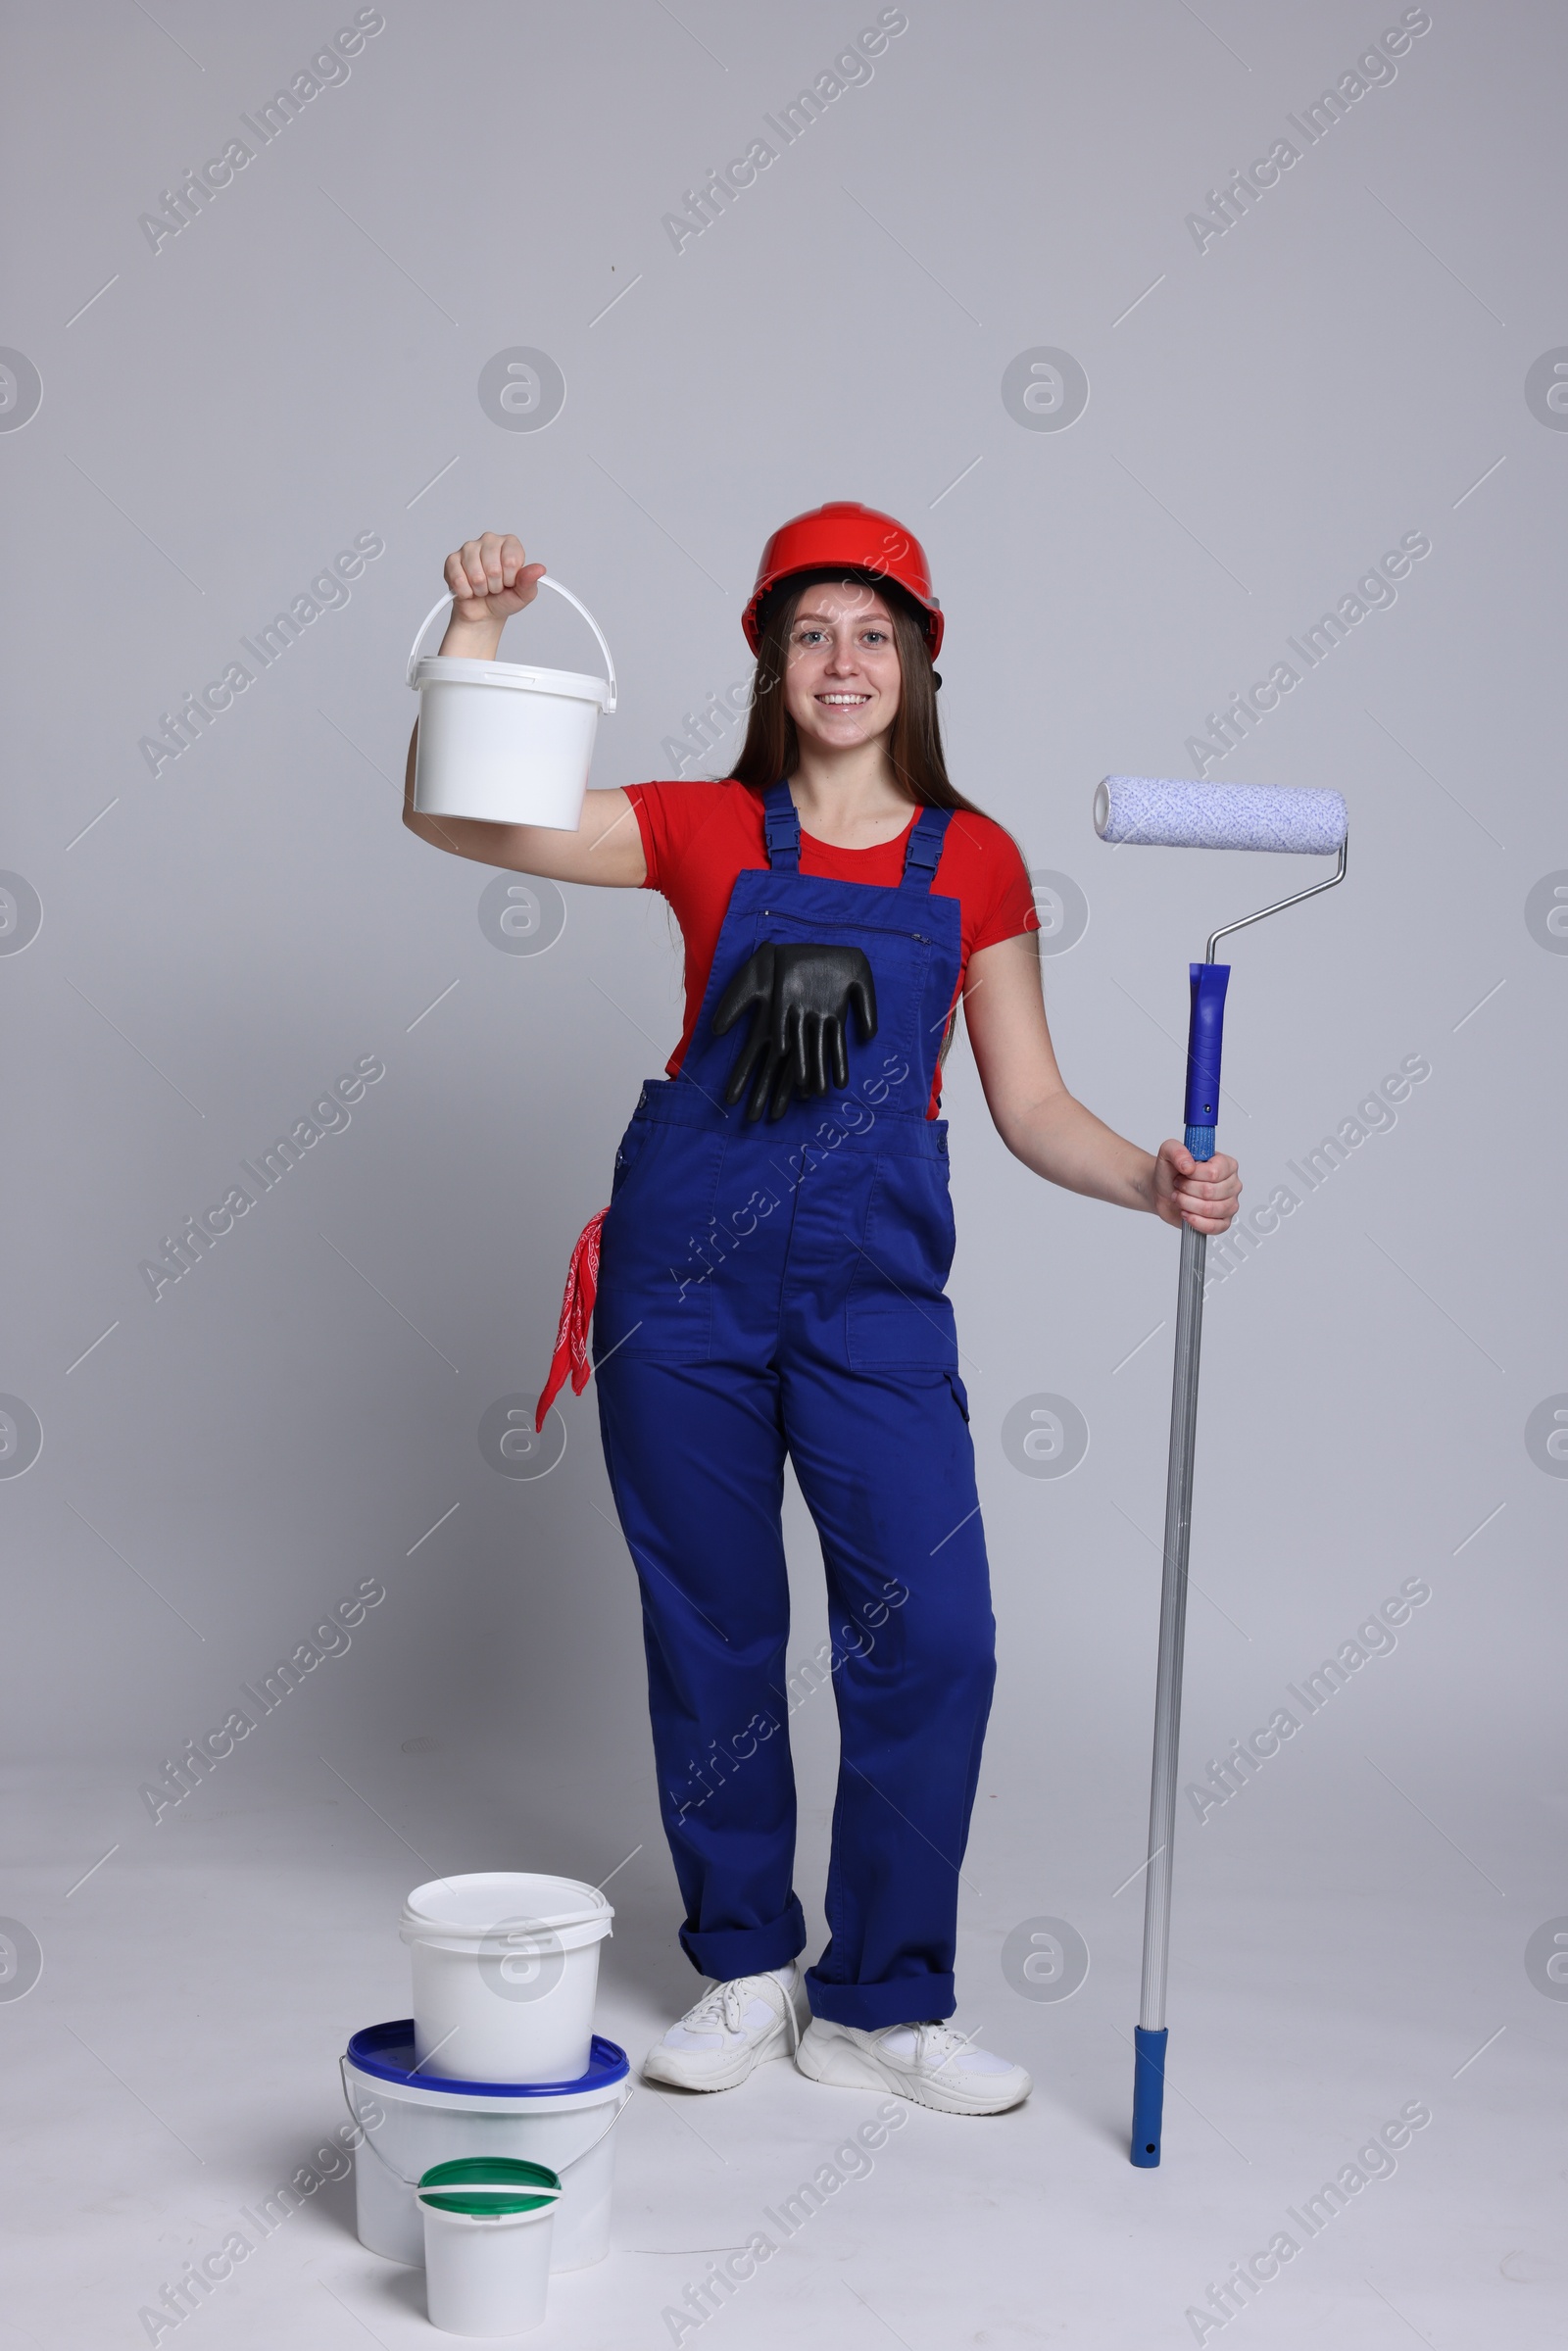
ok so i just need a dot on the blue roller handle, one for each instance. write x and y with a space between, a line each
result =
1148 2096
1205 1037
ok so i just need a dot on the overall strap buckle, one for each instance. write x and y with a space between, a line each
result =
781 830
923 855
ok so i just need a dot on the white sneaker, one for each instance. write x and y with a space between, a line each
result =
928 2063
731 2029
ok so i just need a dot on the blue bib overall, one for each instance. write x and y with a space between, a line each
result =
780 1287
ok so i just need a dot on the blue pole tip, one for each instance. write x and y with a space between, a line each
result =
1148 2096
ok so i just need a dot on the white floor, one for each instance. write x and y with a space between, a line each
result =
176 2061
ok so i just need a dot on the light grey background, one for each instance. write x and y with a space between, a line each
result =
300 364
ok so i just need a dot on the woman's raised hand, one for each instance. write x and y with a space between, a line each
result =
490 579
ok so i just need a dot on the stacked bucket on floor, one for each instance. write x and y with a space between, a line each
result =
487 2152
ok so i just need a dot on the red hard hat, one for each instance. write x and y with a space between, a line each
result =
858 538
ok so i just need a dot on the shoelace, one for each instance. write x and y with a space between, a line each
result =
723 2005
938 2044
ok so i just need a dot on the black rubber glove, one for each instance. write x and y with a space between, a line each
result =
800 1000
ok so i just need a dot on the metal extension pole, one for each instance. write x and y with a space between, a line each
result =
1150 2071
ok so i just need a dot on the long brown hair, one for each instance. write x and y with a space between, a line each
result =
771 749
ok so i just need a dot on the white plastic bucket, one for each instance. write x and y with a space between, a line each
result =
506 1965
413 2120
487 2270
503 742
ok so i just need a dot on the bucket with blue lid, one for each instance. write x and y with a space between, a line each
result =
413 2118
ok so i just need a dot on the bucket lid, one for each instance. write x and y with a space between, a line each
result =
488 2186
386 2052
470 1897
573 685
473 1903
496 1911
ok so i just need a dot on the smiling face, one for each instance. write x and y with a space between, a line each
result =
841 679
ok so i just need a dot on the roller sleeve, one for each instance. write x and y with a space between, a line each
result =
1161 813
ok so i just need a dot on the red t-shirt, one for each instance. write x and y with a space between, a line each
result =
697 836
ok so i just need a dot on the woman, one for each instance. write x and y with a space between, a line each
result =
772 1281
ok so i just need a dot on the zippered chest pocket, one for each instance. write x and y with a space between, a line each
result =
900 957
855 933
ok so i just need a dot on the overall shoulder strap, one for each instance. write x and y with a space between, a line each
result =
781 830
923 854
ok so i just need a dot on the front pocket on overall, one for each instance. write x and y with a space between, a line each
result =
900 957
655 1297
898 1312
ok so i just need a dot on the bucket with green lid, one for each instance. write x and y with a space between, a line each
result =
487 2229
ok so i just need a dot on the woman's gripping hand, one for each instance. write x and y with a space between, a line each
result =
1202 1193
490 578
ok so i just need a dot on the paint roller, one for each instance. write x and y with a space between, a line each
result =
1158 813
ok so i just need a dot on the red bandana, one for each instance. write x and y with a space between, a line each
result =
576 1313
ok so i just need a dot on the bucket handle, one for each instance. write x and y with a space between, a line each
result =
560 2169
545 581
